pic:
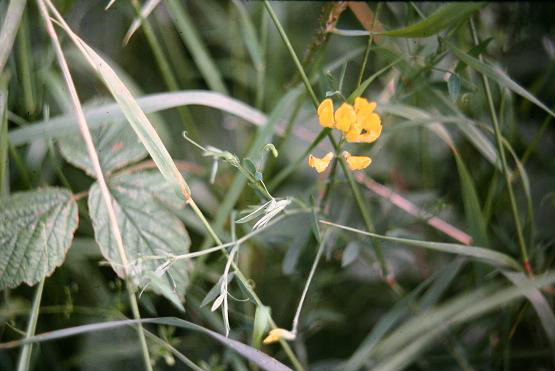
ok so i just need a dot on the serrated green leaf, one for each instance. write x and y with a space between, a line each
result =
444 17
161 286
36 231
116 143
147 227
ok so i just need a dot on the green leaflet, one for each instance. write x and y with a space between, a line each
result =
147 227
35 234
116 145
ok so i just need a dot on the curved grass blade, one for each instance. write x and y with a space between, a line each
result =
9 29
540 304
498 76
488 256
249 35
263 360
402 346
65 124
149 6
444 17
135 116
192 40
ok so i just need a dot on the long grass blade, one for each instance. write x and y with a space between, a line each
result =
261 359
9 29
488 256
446 16
498 76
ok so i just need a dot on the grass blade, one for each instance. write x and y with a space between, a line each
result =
133 113
24 362
149 6
192 40
261 359
9 29
400 348
64 124
540 304
498 76
444 17
488 256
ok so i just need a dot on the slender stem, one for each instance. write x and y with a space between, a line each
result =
86 134
261 70
369 46
244 281
140 330
291 52
283 174
308 280
352 183
24 66
165 69
25 354
504 166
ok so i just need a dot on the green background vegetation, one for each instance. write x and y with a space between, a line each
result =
466 96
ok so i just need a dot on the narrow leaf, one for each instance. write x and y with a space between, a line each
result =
489 256
263 360
445 16
498 76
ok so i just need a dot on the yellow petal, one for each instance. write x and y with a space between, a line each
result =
353 134
278 333
356 162
345 117
360 103
370 122
320 164
325 113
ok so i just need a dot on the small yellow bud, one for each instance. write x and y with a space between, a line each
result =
320 164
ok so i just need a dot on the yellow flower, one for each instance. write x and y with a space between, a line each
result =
367 120
325 113
320 164
278 333
345 117
356 162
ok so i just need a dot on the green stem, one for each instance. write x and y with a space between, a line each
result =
244 281
165 69
9 29
292 53
283 174
25 356
140 330
24 66
261 71
369 46
501 151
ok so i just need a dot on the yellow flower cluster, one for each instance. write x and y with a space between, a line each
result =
359 124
